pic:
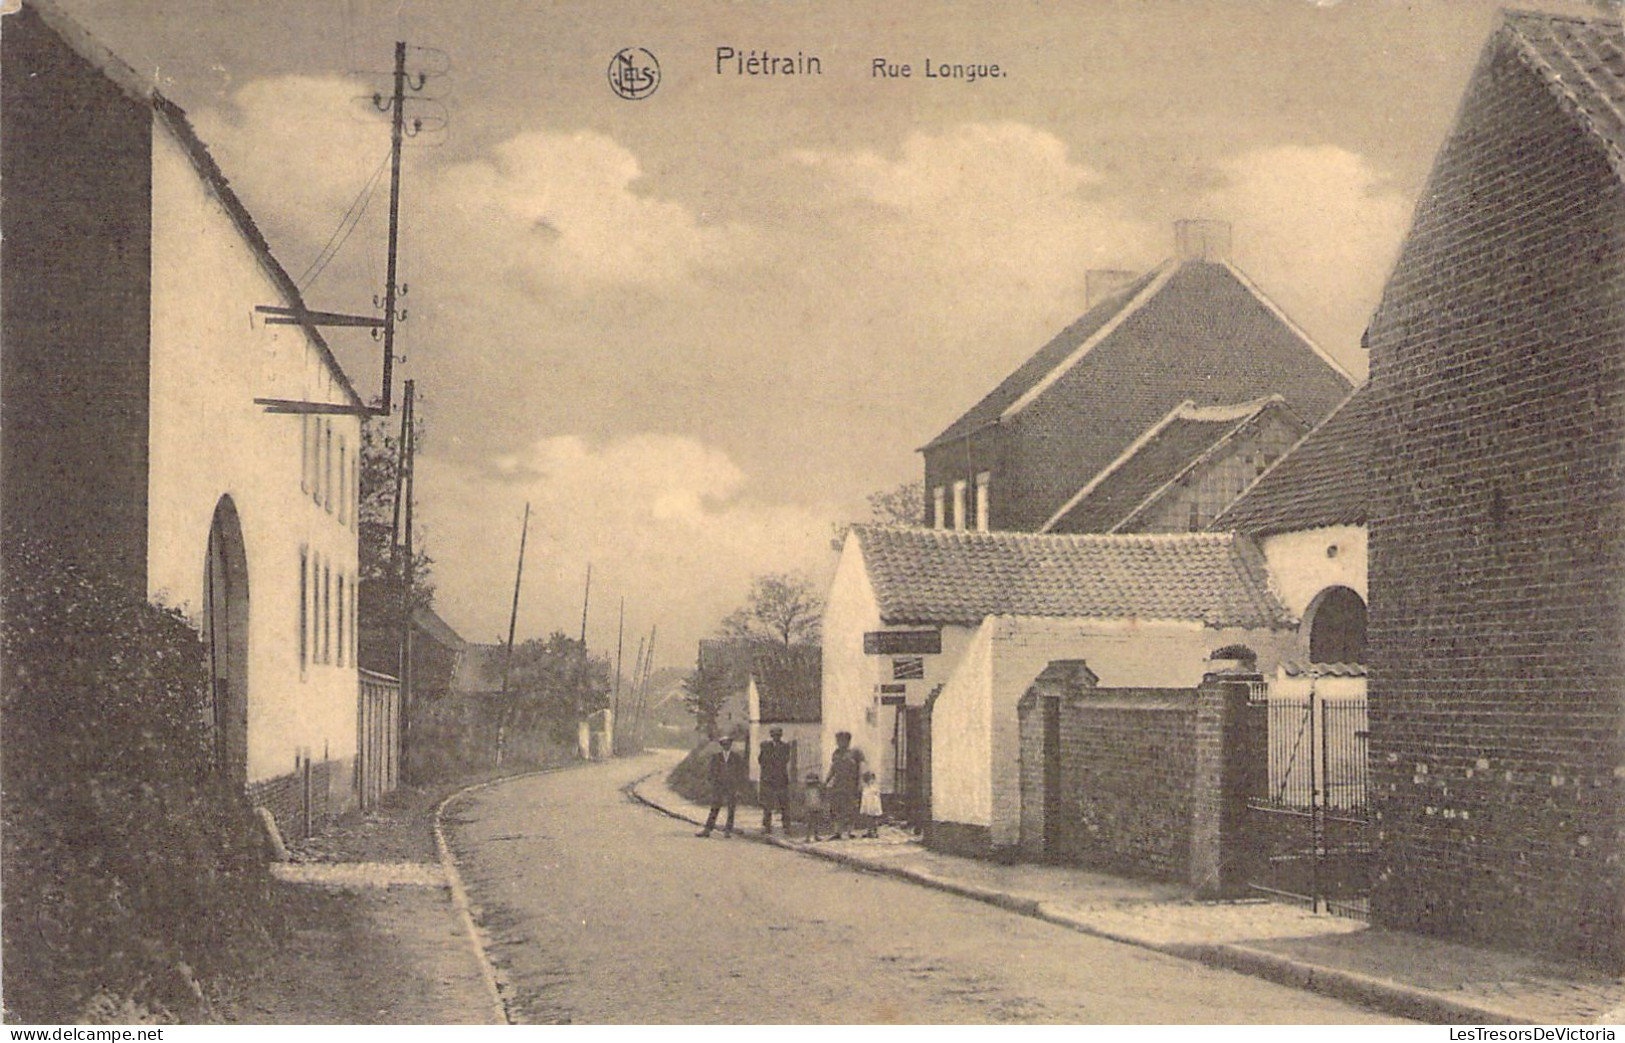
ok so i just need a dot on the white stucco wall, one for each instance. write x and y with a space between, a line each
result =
211 357
975 748
852 679
962 737
1300 567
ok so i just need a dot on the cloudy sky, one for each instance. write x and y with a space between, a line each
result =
693 330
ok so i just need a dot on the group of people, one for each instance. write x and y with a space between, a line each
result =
841 799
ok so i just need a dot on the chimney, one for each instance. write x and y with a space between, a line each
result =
1100 283
1200 240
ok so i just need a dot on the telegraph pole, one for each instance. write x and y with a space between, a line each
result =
513 620
620 639
397 129
403 507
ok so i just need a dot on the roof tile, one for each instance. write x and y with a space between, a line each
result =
929 576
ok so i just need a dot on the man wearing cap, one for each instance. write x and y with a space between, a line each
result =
774 760
726 770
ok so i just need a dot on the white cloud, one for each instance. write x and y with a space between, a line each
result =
665 520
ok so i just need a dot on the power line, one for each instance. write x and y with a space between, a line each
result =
347 224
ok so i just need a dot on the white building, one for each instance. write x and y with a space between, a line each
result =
143 303
931 637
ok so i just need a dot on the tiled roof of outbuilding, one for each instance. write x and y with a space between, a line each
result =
1190 329
1583 61
930 576
1325 479
1173 446
789 683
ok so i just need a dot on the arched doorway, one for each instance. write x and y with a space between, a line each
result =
1336 624
225 638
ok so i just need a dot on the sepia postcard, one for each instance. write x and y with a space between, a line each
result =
542 512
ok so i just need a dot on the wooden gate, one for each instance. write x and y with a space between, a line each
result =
1309 825
378 738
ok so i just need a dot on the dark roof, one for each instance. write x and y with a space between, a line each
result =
1172 447
1047 359
1193 329
173 118
789 683
1324 480
428 622
1582 60
937 577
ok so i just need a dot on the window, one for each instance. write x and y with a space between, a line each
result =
341 619
344 484
355 641
938 519
327 465
959 504
908 668
327 613
983 480
355 487
304 611
304 453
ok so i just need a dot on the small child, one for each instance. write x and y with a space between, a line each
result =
814 793
870 807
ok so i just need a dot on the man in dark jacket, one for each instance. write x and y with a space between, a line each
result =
775 764
726 772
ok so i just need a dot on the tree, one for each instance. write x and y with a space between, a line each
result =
783 608
903 504
375 526
704 692
552 684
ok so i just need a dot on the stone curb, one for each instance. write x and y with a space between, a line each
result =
1376 994
459 894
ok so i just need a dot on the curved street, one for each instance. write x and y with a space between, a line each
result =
602 910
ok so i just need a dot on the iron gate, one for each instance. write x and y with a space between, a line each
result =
1309 828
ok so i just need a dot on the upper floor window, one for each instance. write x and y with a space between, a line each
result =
959 504
304 610
327 465
939 520
983 480
344 483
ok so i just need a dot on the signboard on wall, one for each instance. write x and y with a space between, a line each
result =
902 642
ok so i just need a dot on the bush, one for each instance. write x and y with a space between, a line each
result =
455 736
133 875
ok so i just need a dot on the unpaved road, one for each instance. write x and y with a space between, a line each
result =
604 911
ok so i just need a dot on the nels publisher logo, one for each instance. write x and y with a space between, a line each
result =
633 73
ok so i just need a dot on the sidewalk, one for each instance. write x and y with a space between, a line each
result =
1403 974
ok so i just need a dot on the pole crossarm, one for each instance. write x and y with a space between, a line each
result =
284 316
293 405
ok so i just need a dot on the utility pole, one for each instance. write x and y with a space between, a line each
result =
620 639
643 690
403 505
586 596
513 619
397 129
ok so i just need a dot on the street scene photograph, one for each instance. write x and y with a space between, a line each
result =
739 513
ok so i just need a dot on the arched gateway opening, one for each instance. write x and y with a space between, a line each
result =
1336 620
225 637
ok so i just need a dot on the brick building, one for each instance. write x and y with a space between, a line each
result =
1194 328
1498 513
1182 472
133 358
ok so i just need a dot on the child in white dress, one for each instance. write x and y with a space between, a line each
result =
870 807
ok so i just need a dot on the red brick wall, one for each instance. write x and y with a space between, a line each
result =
285 797
1498 362
76 209
1128 761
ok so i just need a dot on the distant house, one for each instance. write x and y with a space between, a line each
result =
133 358
1193 329
1309 514
785 692
1498 513
932 637
1184 470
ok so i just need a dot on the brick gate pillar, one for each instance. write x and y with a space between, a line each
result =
1231 749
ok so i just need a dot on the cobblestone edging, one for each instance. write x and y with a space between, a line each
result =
466 910
1376 994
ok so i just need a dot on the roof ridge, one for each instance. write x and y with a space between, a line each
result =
1189 410
1516 25
1002 534
1161 275
1556 16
